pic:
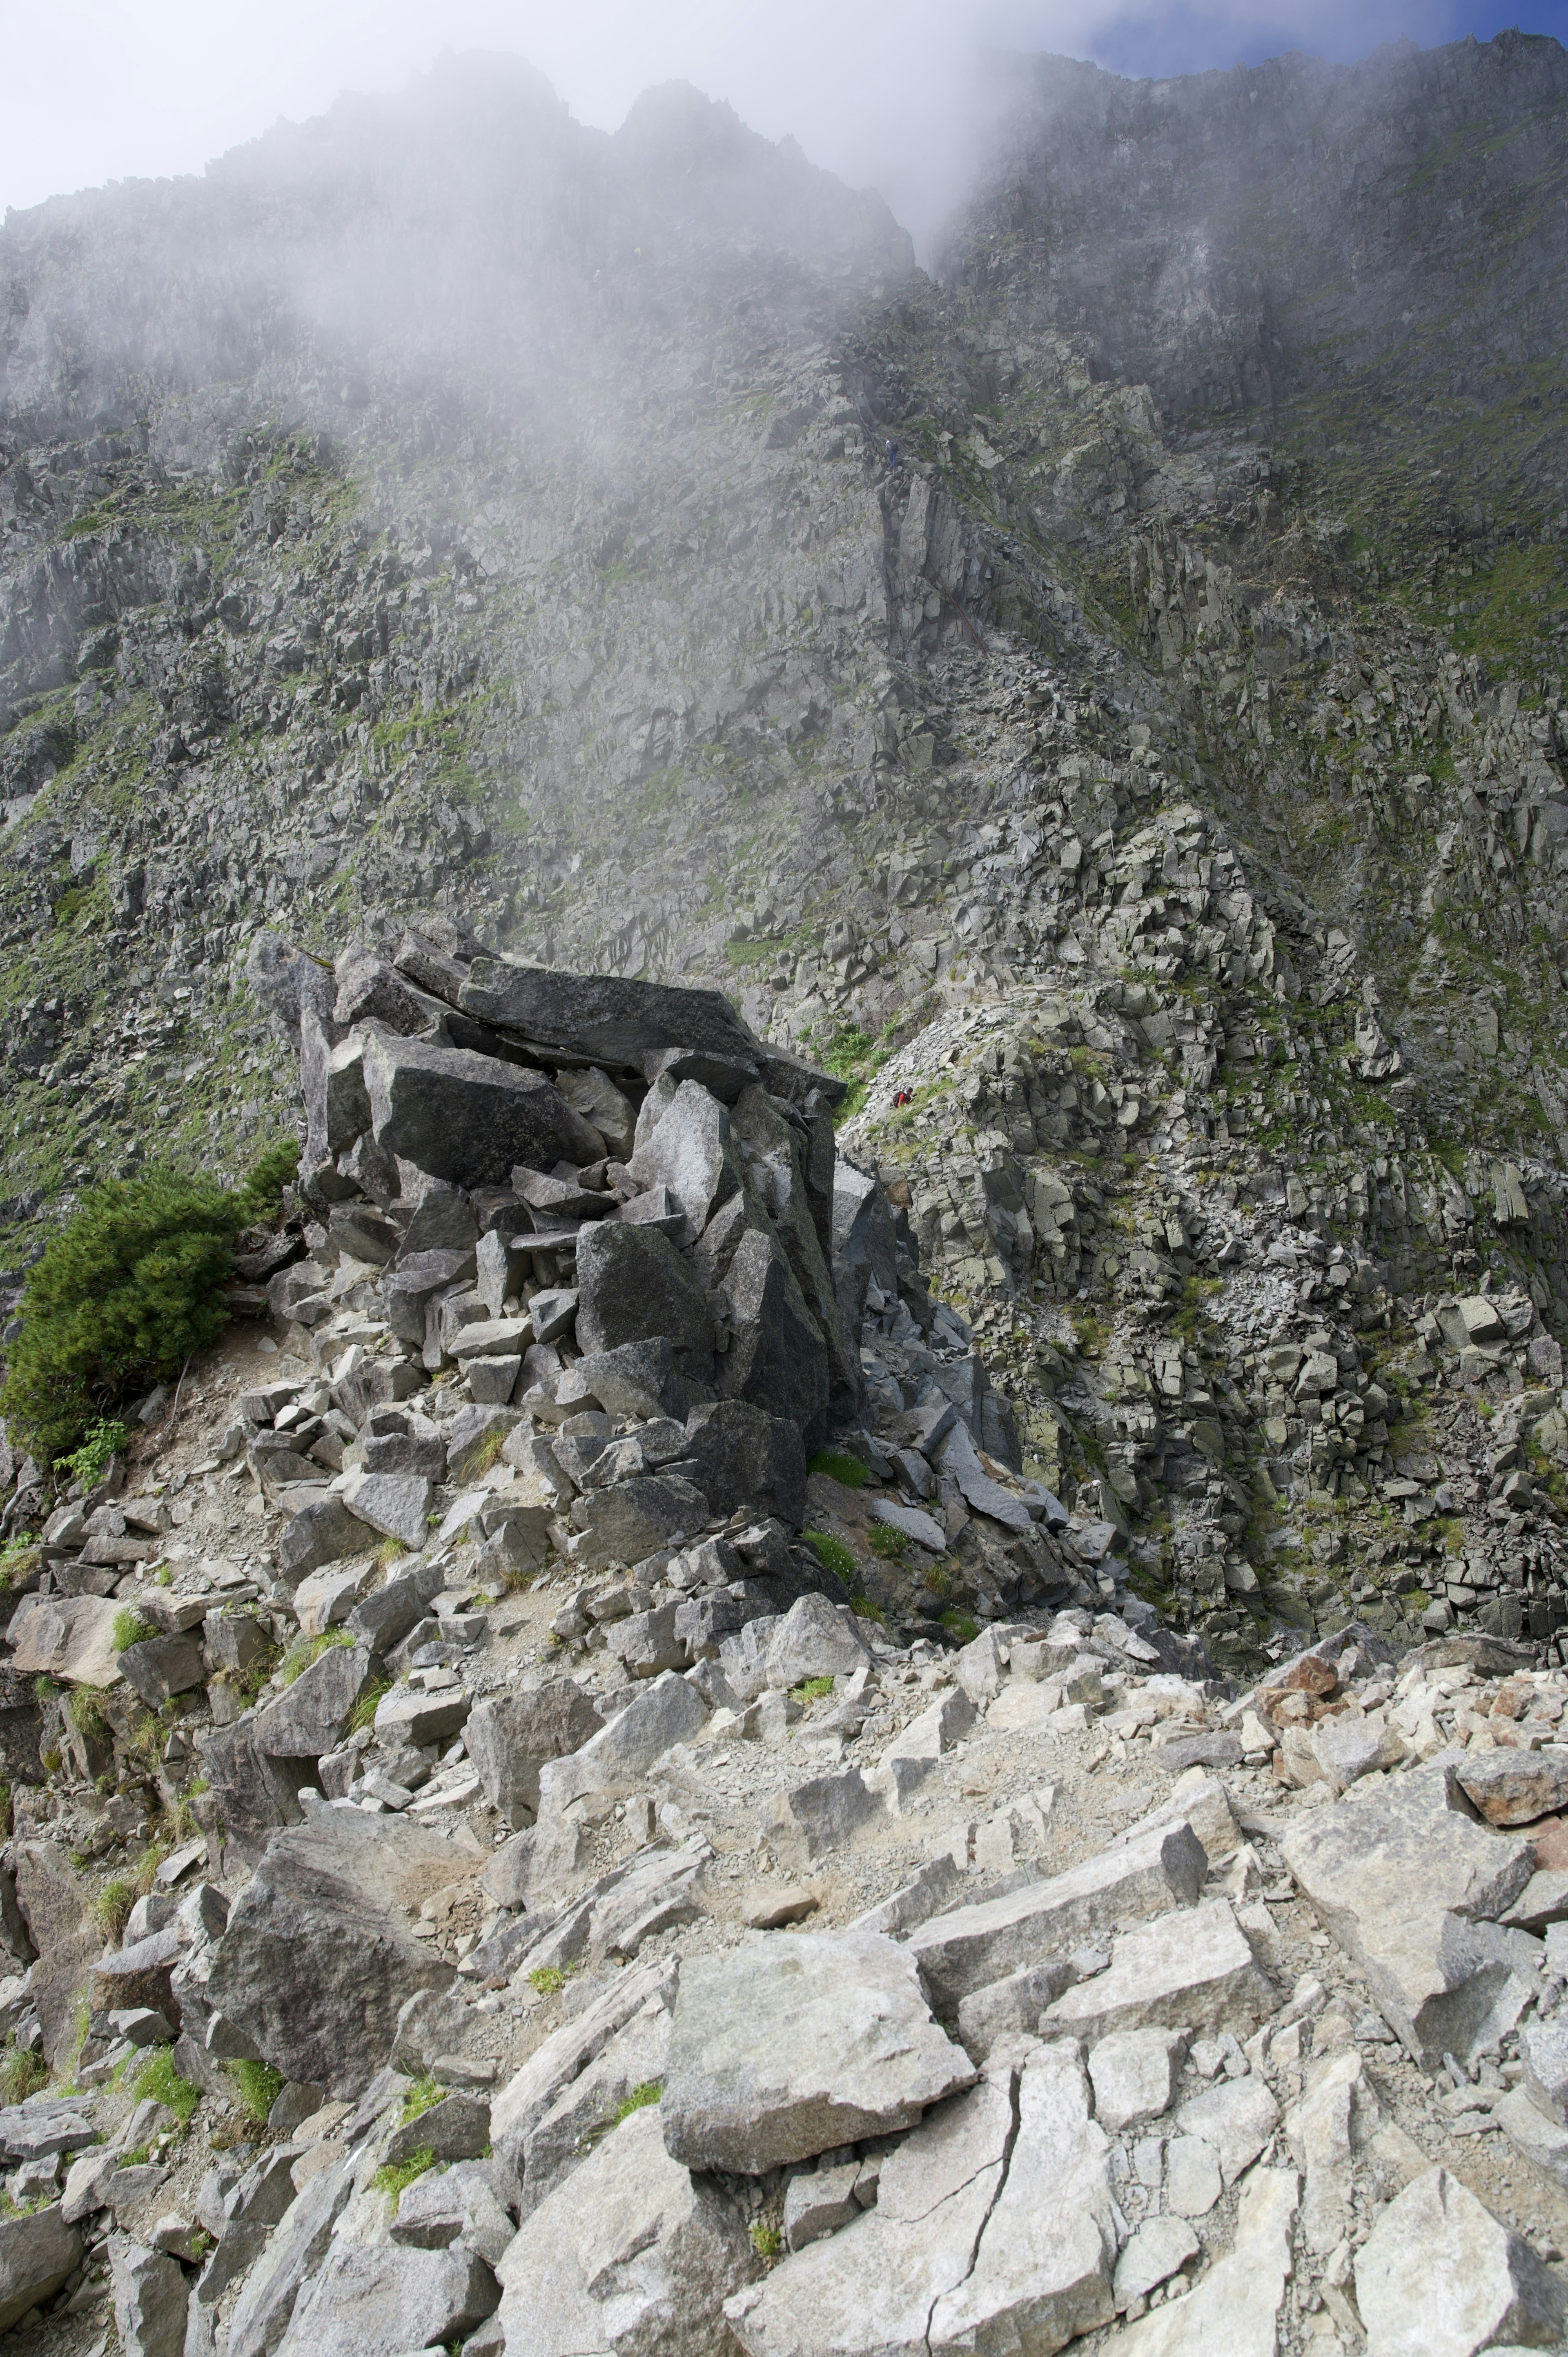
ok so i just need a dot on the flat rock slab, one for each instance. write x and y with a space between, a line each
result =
792 2043
629 2256
1402 1874
970 1946
666 1710
69 1637
1193 1970
993 2229
1440 2277
1514 1788
468 1118
378 2300
1234 2308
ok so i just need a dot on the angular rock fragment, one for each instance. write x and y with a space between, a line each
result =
151 2296
1134 2073
467 1117
970 1946
1513 1788
511 1736
375 2300
633 1285
316 1959
819 1814
1235 2306
1193 1970
792 2043
630 2255
37 2253
1439 2276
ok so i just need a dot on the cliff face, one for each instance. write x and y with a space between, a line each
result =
444 507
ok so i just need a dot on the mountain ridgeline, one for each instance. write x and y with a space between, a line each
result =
1103 696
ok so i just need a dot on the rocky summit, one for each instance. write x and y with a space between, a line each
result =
856 1642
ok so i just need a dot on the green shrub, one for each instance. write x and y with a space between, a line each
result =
767 2241
19 1558
128 1291
885 1541
159 2082
306 1650
22 2073
864 1609
423 2097
849 1471
258 2086
812 1689
132 1627
363 1714
113 1906
831 1552
638 2100
395 2177
965 1630
549 1979
106 1439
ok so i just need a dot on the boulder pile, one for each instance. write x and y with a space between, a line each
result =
615 1910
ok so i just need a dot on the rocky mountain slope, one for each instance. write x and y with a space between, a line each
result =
442 507
507 1856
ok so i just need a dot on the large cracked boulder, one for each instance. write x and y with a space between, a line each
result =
791 2044
467 1117
777 1360
633 1284
511 1736
632 2255
53 1907
1438 2277
318 1959
1410 1884
376 2301
748 1458
993 2229
37 2253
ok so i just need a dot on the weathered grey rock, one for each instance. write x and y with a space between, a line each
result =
69 1637
938 1882
420 1277
51 1900
384 1617
1193 2183
634 2062
748 1458
467 1117
688 1150
776 1158
970 1946
320 1533
911 1523
1134 2073
1194 1969
972 2245
596 1097
311 1715
958 1459
632 1286
639 1379
1439 2276
1337 2115
1349 1747
456 2129
646 1643
283 2265
511 1736
777 1360
396 1505
792 2043
819 2201
1532 2132
1157 2250
318 1959
667 1710
631 2257
636 1518
1543 2051
1010 2008
1235 2306
377 2300
1406 1882
408 1715
814 1640
1236 2118
151 2296
531 2092
161 1667
1513 1788
37 2253
454 2206
820 1814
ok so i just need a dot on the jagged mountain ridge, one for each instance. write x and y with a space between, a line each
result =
619 641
